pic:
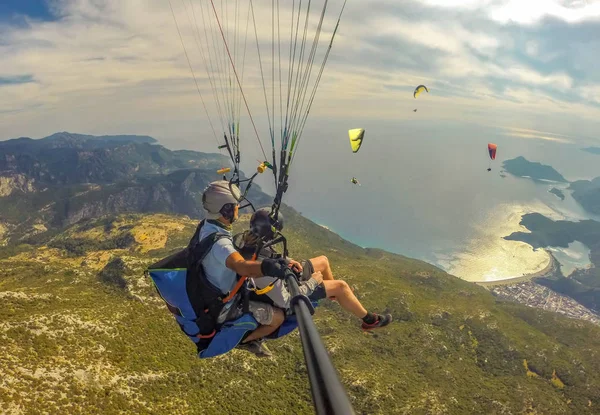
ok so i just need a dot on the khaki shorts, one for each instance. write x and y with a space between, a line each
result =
262 313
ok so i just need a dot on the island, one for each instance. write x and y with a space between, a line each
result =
521 167
584 284
587 194
592 150
558 193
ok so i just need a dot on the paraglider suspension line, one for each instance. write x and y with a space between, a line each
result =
193 73
237 78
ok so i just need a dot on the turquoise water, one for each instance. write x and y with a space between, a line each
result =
426 194
576 256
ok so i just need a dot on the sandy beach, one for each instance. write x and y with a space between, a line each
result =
548 270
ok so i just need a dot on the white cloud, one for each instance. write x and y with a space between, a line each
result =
532 48
459 61
538 135
591 93
559 81
118 66
448 37
531 11
106 55
527 11
422 33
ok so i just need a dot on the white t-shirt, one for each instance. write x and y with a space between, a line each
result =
214 262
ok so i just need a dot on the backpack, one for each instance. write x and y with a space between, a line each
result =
194 301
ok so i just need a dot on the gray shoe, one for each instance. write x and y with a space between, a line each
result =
257 347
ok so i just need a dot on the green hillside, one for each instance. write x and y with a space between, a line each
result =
83 332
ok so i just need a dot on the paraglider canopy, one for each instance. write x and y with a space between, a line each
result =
420 89
234 49
356 138
492 150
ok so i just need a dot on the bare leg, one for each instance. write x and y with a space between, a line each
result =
321 263
265 330
344 295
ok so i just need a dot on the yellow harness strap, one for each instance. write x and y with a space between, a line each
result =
264 290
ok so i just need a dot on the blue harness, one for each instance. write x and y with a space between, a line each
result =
196 303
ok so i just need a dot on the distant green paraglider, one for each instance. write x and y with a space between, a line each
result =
356 138
354 180
420 89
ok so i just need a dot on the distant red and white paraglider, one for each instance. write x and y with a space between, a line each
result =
492 151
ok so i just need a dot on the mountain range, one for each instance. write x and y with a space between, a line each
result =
83 330
64 178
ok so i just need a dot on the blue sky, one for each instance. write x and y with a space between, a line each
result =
17 9
112 66
16 79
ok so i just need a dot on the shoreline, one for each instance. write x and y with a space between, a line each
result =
549 269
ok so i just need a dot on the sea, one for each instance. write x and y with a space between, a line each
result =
425 193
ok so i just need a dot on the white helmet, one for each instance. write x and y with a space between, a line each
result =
217 195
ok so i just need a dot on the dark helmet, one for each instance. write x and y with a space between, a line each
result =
263 225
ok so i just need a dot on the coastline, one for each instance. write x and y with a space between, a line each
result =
548 270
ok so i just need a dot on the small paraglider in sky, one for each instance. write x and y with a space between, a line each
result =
354 180
356 138
492 151
420 89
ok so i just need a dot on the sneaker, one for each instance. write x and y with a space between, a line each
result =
265 350
257 347
381 321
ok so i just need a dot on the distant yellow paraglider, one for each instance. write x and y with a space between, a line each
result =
420 89
356 138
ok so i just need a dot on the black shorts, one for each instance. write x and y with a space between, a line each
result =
318 294
308 269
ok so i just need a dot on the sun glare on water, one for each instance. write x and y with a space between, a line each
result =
490 257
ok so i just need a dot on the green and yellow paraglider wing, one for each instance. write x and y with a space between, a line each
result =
420 89
356 138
